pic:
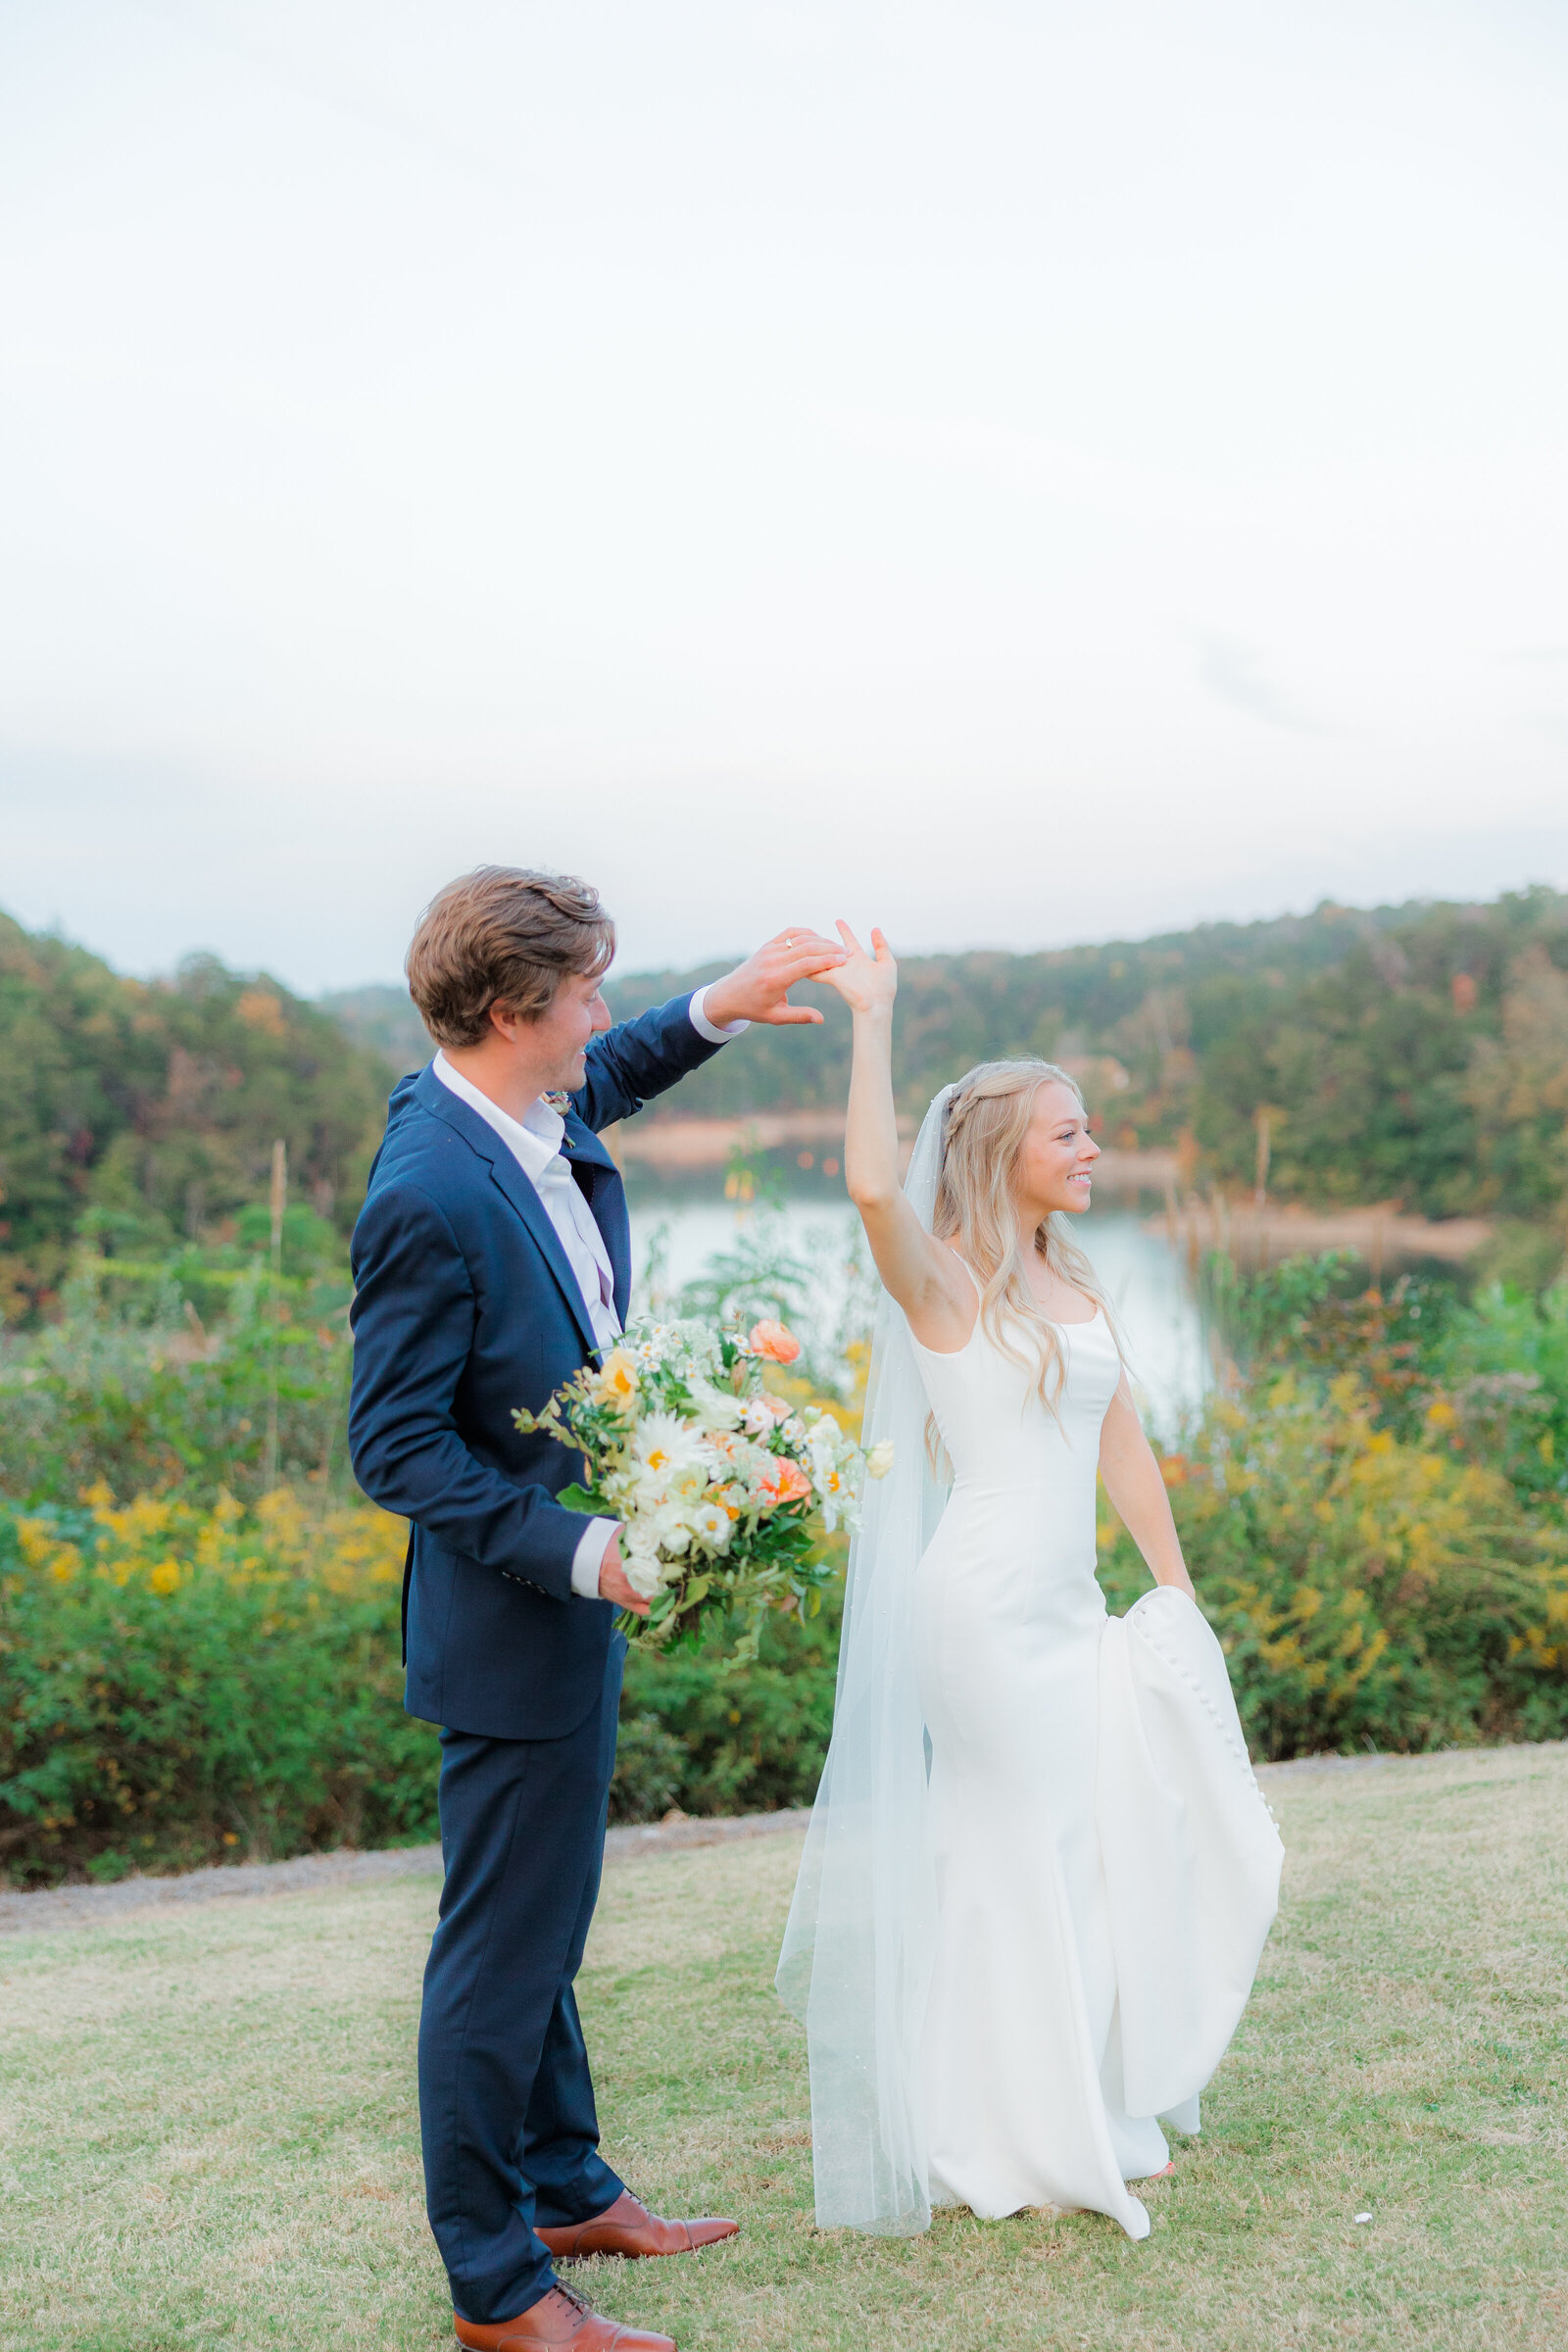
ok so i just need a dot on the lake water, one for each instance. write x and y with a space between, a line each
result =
677 1233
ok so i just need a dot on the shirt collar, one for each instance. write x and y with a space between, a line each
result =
534 1139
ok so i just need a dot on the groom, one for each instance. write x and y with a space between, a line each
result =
492 1259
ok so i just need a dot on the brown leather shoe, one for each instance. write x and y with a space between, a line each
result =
559 2318
629 2228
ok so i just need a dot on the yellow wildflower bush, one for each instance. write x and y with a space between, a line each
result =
183 1681
1368 1588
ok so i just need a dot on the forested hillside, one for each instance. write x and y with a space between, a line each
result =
149 1109
955 1010
1416 1052
1146 1003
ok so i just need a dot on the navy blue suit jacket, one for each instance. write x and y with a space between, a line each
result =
464 1308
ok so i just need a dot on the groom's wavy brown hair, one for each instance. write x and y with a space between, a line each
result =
503 935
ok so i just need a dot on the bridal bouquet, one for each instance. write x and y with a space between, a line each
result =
715 1481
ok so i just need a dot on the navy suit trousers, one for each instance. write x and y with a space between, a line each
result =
506 2098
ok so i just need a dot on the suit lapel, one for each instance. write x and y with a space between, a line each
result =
506 1174
583 1147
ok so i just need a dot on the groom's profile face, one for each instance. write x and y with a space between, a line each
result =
557 1038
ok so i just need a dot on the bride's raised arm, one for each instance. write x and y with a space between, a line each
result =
923 1274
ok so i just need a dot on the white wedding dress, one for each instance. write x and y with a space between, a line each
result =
1055 2031
1040 1872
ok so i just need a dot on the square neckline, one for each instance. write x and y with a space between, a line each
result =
947 1355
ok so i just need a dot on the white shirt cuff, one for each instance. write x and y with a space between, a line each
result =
589 1556
710 1029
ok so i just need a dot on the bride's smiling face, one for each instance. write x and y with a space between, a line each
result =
1059 1151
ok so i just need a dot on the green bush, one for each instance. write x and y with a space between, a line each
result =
1499 1359
649 1770
129 1390
181 1685
192 1677
1368 1588
1504 1364
750 1737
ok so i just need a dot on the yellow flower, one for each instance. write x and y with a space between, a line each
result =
279 1512
616 1383
36 1541
164 1578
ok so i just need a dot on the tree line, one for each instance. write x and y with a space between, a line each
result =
1416 1052
141 1115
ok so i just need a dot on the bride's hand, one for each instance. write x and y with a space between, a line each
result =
867 982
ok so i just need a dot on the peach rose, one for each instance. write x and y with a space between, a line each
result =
772 1339
784 1481
763 1413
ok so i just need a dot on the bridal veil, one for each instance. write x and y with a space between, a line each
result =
855 1965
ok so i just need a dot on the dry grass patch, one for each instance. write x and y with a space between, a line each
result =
209 2132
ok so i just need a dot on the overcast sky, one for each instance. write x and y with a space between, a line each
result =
1021 471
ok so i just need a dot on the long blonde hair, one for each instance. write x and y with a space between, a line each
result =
988 1117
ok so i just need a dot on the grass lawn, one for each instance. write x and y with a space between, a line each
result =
207 2131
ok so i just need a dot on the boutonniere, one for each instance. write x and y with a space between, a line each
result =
558 1100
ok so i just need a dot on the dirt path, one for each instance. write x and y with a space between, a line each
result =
87 1906
90 1906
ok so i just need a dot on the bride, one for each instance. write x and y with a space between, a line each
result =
1039 1873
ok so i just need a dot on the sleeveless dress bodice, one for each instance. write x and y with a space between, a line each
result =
1019 1461
1105 1869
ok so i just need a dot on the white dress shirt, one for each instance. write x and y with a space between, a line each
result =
534 1142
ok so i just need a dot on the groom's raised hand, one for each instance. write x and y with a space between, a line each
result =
758 990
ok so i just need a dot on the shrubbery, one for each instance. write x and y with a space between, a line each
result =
130 1386
183 1685
179 1684
211 1670
1373 1509
1366 1588
740 1739
1375 1506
